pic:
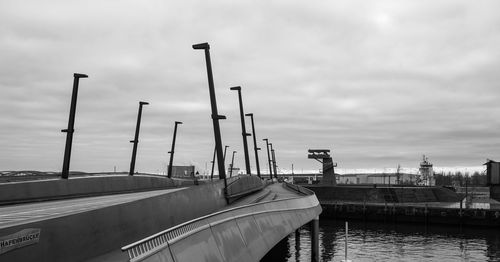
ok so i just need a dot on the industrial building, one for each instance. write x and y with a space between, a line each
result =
377 178
426 172
183 171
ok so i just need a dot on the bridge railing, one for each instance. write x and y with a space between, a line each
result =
299 189
243 185
148 246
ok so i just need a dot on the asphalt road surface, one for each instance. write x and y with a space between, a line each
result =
32 212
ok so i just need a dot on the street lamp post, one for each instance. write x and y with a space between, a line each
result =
213 164
256 149
243 130
268 158
232 163
136 138
172 150
225 149
274 161
71 125
215 114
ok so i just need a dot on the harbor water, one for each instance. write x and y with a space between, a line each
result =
368 241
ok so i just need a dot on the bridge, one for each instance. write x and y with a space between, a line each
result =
151 218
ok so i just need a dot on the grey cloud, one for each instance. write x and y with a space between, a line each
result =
380 83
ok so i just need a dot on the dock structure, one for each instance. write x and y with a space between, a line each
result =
485 215
323 156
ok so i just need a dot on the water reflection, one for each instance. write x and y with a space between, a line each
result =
280 252
392 242
297 246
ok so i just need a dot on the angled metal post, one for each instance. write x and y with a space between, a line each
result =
172 150
243 129
136 138
274 161
269 158
255 148
213 164
225 149
232 163
71 126
215 114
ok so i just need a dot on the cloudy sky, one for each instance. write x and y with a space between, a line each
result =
378 82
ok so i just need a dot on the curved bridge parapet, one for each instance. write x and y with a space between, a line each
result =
243 185
244 233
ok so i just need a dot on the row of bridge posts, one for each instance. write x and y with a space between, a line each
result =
215 117
71 129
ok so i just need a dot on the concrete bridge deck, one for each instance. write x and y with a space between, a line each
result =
94 228
274 191
13 215
271 192
244 231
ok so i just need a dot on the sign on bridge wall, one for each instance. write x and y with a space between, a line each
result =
19 239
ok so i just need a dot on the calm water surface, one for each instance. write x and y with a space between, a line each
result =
391 242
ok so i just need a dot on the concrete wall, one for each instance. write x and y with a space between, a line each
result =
82 236
76 187
243 185
241 239
495 192
412 214
244 233
493 173
384 194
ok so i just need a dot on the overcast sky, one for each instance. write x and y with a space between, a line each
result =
378 82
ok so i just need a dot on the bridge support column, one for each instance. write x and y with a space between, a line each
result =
314 239
297 237
297 243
